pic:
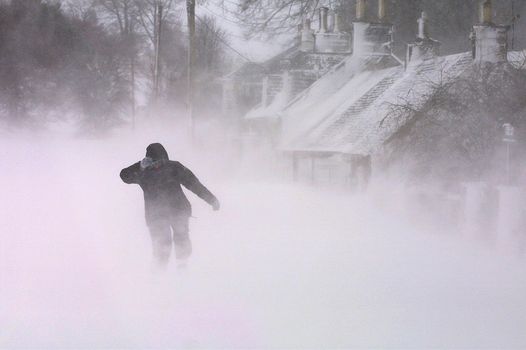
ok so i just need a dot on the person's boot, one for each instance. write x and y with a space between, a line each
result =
183 250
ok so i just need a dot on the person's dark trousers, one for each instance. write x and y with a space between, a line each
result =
166 231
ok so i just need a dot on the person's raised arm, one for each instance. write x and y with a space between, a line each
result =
190 181
131 174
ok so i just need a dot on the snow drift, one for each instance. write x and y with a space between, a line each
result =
280 266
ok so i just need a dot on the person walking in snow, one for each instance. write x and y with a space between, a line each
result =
166 207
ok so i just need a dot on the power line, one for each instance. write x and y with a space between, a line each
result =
216 15
226 43
222 17
230 2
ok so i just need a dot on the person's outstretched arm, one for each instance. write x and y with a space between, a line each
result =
190 181
131 174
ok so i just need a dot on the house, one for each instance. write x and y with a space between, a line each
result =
335 128
256 90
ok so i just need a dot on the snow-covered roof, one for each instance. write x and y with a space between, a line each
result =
291 57
263 67
341 86
271 111
350 111
329 84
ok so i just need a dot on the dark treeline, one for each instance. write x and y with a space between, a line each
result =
50 62
59 61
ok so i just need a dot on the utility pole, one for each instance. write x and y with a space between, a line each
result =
514 19
157 66
132 82
509 140
512 24
190 10
130 33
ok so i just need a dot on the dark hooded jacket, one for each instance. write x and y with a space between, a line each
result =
161 182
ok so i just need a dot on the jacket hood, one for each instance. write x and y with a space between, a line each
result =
156 151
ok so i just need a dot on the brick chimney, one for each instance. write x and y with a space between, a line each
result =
490 41
372 38
331 40
423 47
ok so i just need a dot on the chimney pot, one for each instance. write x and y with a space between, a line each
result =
307 24
423 32
324 12
382 10
337 20
307 37
486 12
332 18
360 10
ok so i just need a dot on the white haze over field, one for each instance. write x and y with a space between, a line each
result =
280 266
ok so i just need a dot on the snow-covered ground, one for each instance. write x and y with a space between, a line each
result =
280 266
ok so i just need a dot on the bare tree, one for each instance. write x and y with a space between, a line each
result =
136 20
148 15
123 16
210 41
456 132
274 17
61 63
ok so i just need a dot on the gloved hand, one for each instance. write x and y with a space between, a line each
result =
146 163
216 205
